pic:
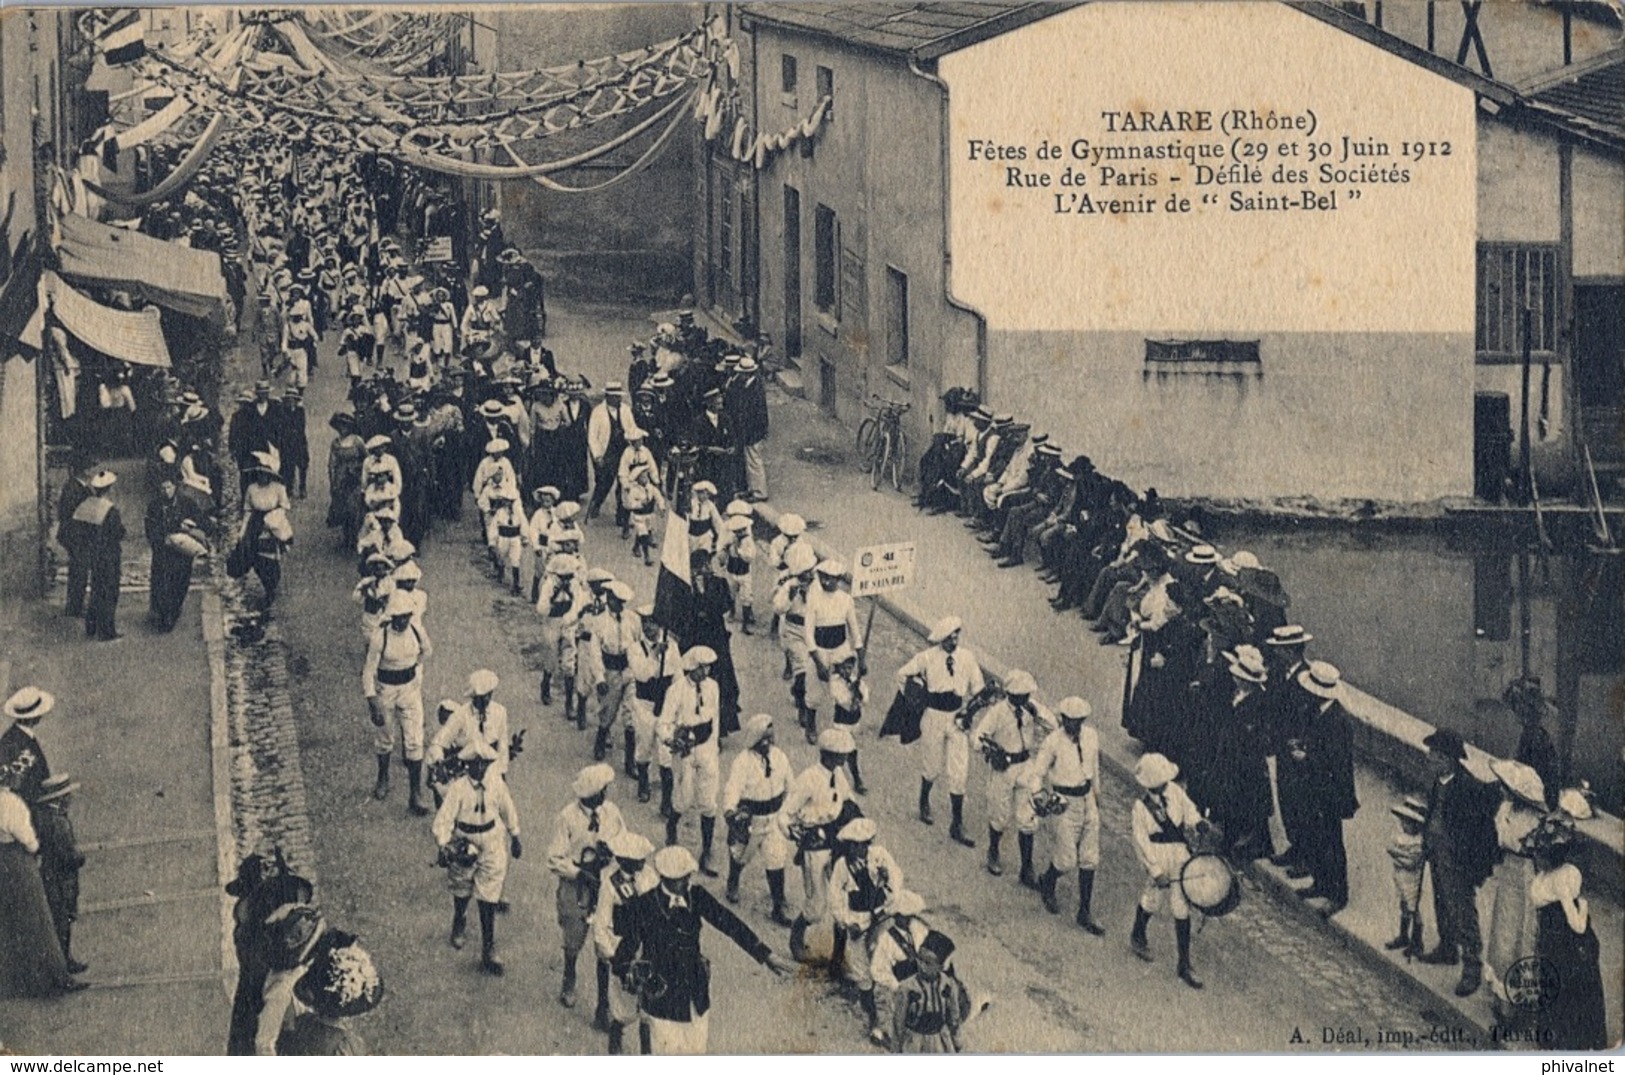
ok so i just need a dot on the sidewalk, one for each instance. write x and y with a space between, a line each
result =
811 470
133 723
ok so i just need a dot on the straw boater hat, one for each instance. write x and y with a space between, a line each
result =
377 441
1411 809
1247 663
1323 680
58 786
1521 780
30 703
944 627
1290 635
1202 554
1153 771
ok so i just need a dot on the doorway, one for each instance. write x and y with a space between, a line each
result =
1599 371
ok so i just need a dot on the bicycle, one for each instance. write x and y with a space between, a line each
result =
882 444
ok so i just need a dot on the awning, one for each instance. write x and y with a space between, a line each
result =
184 280
131 335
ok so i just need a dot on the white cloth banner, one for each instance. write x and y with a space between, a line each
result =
130 335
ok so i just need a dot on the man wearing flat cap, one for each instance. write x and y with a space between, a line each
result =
951 677
660 957
631 876
863 881
392 680
1069 759
578 854
481 719
1009 733
1458 845
691 721
758 780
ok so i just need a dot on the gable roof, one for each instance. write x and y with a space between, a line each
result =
913 31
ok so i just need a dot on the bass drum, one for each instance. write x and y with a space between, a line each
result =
1209 885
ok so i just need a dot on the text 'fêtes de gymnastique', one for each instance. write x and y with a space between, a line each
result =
1198 160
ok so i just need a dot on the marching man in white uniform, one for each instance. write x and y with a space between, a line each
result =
813 807
578 856
629 878
1070 760
477 828
951 677
751 800
1009 733
478 720
1161 818
690 720
392 680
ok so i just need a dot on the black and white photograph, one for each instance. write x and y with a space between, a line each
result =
803 528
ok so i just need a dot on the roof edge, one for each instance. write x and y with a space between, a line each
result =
1025 15
1557 76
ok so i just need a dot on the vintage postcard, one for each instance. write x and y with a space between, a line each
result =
812 528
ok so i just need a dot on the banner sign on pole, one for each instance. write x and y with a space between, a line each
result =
437 249
878 568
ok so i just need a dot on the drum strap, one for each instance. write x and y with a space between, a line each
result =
1168 832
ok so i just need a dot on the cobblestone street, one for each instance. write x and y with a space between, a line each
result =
1270 972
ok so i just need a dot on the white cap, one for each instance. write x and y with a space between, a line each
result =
675 862
698 656
483 681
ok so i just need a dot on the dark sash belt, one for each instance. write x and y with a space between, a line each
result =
829 637
762 807
463 826
397 677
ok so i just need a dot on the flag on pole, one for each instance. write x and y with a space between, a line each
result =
674 586
123 39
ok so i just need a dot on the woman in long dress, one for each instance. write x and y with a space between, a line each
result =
1566 944
1511 935
31 960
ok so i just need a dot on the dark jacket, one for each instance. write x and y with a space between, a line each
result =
1330 746
667 939
746 408
71 535
1460 829
254 432
21 752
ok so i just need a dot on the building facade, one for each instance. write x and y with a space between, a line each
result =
1239 355
41 67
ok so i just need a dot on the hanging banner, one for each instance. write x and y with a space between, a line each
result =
130 335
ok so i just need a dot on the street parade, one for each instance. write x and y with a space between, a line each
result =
575 649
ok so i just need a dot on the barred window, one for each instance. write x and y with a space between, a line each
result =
1511 277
